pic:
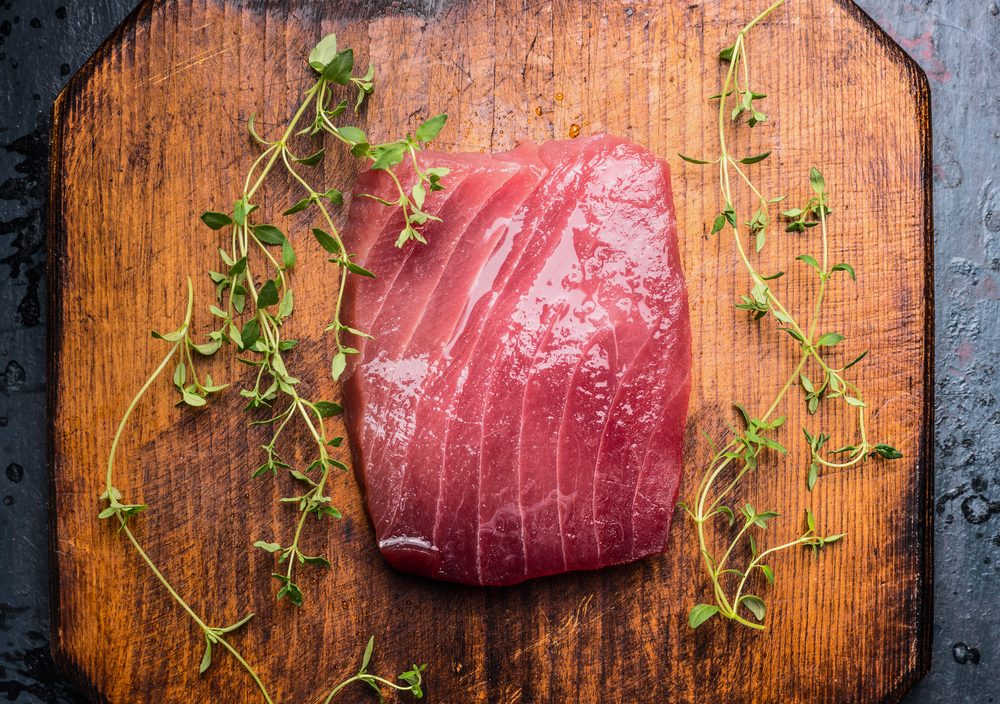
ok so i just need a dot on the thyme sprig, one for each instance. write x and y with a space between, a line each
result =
193 394
251 309
412 678
265 301
758 440
216 635
387 155
123 511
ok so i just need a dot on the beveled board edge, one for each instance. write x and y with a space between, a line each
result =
55 247
55 254
925 474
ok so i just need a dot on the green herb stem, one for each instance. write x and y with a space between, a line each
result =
333 232
279 146
123 515
206 629
736 98
264 328
109 484
367 679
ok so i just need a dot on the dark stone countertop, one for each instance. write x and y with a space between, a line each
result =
42 42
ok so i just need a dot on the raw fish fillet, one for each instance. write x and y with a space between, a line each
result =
520 411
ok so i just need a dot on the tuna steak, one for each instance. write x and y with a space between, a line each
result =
520 410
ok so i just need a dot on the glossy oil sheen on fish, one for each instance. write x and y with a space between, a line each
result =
520 411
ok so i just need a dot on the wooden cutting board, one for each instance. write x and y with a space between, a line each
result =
151 132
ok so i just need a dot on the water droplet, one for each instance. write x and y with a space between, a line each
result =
977 509
538 110
15 472
8 501
574 130
13 376
963 654
559 96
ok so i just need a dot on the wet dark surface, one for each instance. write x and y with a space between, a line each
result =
958 44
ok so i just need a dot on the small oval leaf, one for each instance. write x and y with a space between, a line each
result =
700 613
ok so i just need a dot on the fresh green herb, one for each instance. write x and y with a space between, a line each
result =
412 678
383 156
265 300
758 440
250 310
123 511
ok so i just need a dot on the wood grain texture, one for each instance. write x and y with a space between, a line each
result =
150 133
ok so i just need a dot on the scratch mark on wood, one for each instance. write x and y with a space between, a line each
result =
191 63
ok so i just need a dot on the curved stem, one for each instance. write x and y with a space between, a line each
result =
335 233
190 612
722 561
190 360
823 277
274 262
746 179
145 387
360 678
256 163
281 426
123 519
786 387
756 561
750 25
280 144
841 465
